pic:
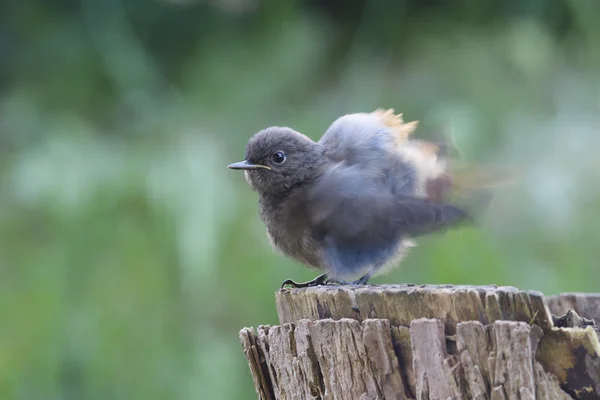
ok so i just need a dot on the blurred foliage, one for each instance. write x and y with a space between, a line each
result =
130 256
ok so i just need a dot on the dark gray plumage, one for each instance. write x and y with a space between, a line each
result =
349 204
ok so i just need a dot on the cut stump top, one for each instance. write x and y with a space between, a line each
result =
401 304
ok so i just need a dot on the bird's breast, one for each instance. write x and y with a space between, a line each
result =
289 232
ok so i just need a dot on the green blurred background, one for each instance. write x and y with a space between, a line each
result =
130 256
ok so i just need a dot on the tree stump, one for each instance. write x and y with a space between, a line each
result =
426 342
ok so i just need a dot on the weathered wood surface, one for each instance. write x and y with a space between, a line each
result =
427 342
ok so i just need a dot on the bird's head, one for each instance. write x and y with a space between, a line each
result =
278 158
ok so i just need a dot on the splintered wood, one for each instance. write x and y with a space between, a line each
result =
433 342
584 304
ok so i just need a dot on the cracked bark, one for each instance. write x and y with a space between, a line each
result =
429 342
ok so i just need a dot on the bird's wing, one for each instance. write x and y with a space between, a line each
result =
377 137
353 200
359 221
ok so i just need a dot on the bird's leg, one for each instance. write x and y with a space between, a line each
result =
319 280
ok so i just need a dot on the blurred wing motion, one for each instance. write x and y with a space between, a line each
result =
442 175
467 177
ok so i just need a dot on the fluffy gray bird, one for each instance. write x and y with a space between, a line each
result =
351 203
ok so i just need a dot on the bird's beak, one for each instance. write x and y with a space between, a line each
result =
246 165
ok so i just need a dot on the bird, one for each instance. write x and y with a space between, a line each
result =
352 203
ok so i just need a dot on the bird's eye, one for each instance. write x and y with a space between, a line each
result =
279 157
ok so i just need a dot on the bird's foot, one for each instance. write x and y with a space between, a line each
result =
318 281
361 281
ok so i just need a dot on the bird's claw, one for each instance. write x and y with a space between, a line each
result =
318 281
323 279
